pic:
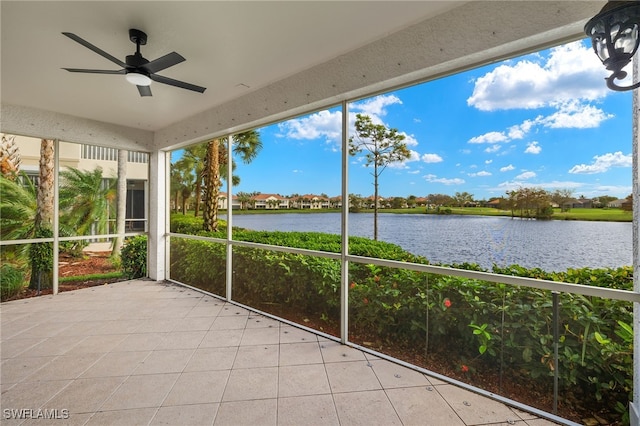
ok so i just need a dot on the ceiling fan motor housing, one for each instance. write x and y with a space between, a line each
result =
137 36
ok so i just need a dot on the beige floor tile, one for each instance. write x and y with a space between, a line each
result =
152 325
15 370
351 376
392 375
181 340
118 327
229 323
57 345
204 311
139 342
300 380
257 356
10 348
132 417
289 334
252 383
32 395
205 359
419 406
65 367
475 409
96 344
232 310
365 408
262 412
260 321
69 419
158 362
220 338
336 352
300 353
186 415
141 392
198 387
260 336
194 324
316 410
86 395
116 364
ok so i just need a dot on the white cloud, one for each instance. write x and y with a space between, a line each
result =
533 148
571 71
491 137
445 181
507 168
519 131
569 115
409 140
492 148
323 124
516 184
602 163
431 158
375 106
480 174
573 115
488 161
526 175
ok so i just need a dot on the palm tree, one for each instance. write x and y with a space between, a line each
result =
9 157
244 198
246 145
195 156
41 254
17 208
121 203
86 199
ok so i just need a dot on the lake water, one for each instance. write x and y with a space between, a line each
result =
551 245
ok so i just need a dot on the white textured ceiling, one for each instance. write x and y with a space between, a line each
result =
231 48
259 60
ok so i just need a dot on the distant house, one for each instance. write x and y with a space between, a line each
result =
578 203
495 203
270 202
617 204
310 201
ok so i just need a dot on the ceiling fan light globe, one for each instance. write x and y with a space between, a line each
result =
138 79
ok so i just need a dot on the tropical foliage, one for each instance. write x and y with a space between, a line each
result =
479 328
87 200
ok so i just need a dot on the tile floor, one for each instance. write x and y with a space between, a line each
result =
148 353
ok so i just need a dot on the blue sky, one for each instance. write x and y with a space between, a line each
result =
543 120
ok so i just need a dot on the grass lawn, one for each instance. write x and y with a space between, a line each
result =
607 215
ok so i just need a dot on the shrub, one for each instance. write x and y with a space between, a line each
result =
493 328
134 257
11 281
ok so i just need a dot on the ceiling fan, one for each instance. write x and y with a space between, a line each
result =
136 69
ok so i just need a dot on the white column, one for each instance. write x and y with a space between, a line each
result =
344 264
157 242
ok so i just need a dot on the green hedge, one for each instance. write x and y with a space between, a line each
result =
488 325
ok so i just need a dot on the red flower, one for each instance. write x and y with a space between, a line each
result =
464 368
353 285
447 303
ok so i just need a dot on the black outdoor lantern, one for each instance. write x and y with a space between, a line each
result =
614 35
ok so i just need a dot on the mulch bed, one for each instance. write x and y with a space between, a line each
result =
92 263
